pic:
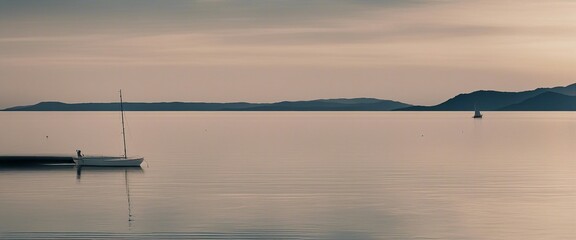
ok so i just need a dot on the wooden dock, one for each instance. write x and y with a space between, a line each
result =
35 160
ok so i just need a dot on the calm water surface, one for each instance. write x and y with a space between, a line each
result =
294 175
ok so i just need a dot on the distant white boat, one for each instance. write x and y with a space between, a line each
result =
110 161
477 113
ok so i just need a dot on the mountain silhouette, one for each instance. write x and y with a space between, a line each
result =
165 106
540 99
355 104
548 101
495 100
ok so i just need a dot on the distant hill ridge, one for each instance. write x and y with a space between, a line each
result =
540 99
342 104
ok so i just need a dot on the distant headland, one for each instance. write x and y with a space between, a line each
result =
541 99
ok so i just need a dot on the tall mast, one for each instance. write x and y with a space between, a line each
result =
123 132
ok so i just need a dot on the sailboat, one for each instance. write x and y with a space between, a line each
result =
110 161
477 113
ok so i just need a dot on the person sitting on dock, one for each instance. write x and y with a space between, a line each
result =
79 153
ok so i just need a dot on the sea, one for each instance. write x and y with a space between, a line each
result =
293 175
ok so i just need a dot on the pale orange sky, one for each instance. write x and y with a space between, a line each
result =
418 52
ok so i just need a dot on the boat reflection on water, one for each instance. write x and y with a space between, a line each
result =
89 169
94 173
36 167
67 168
126 170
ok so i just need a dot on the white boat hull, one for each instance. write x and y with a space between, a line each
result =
109 161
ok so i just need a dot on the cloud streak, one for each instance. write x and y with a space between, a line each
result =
343 43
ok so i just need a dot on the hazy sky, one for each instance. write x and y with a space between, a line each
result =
416 51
